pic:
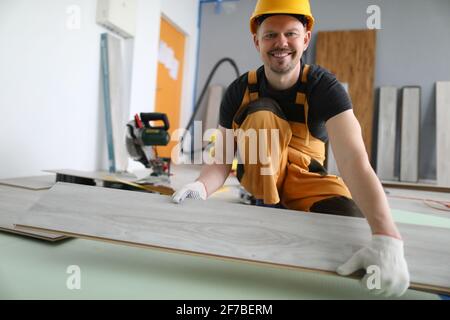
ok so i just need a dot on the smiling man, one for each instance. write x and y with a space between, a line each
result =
305 105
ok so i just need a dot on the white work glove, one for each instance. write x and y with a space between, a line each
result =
387 254
195 190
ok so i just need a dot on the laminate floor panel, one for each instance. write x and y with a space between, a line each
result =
32 183
442 133
95 175
425 202
387 122
14 202
410 132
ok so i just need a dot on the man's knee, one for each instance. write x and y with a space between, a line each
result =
270 106
338 205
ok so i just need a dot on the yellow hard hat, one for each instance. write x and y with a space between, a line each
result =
264 7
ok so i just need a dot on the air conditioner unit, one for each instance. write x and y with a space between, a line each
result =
119 16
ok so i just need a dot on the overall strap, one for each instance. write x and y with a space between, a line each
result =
301 99
251 93
253 88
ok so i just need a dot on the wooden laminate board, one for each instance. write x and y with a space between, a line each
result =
95 175
415 186
286 238
387 123
443 133
410 128
332 167
31 183
123 178
215 95
50 237
418 194
418 201
350 55
14 202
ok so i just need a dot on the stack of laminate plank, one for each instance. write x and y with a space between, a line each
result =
17 196
401 135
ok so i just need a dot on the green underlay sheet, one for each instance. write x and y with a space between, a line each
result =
402 216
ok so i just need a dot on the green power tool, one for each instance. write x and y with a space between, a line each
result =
143 137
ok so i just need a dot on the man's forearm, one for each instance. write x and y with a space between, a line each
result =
213 176
369 195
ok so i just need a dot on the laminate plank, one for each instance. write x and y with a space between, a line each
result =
409 150
415 186
418 194
95 175
213 107
307 241
387 122
49 237
332 167
443 133
31 183
14 202
123 178
431 203
426 202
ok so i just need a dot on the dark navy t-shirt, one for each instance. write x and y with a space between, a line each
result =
325 95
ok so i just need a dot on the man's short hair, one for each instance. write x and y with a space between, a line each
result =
299 17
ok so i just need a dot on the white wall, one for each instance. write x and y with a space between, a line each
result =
50 107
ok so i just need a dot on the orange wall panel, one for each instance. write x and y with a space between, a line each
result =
170 78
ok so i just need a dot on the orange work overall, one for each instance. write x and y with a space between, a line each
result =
298 180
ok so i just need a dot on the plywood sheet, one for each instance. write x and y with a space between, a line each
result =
14 202
350 55
387 123
410 128
308 241
443 133
31 183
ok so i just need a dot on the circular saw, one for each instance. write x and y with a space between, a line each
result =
142 139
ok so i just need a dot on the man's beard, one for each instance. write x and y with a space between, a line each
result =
285 68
